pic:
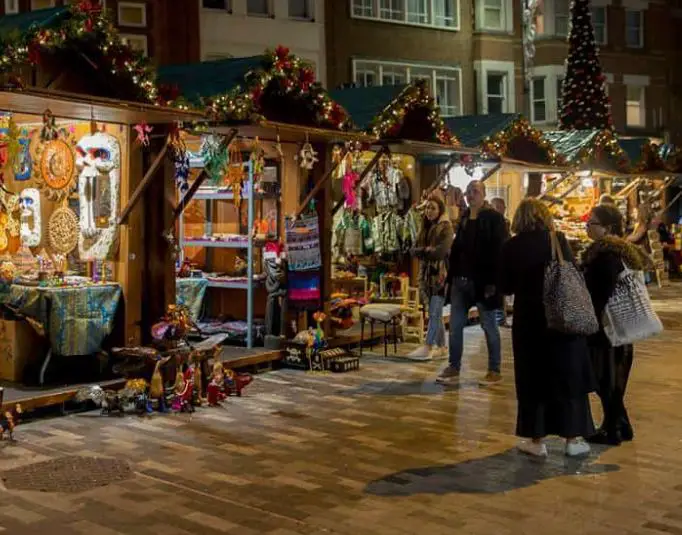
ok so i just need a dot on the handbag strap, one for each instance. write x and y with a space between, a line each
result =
557 253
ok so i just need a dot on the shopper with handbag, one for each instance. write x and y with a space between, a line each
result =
603 264
552 369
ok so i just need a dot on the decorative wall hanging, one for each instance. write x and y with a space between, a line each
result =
143 130
307 156
63 231
279 149
9 221
49 130
31 226
23 163
56 168
99 165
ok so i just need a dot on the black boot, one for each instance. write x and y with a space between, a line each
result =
608 438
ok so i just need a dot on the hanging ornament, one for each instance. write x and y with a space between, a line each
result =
55 171
338 162
143 130
235 175
257 159
279 149
49 130
63 230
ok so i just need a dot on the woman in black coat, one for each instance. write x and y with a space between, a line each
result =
602 264
552 370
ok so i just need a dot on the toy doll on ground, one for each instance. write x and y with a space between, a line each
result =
216 387
9 421
236 382
184 391
276 286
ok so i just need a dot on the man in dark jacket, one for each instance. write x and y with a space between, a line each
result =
472 279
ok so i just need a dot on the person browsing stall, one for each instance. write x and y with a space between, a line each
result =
473 270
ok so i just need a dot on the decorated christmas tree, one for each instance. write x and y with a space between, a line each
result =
585 105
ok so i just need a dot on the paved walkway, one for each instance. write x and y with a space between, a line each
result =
381 451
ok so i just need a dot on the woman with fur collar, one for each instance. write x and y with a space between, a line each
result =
603 262
433 247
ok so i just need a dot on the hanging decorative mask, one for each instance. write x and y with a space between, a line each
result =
31 227
307 156
99 165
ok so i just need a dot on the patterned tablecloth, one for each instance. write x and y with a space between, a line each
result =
76 319
190 293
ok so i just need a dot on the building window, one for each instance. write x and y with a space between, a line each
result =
562 15
418 11
300 9
132 14
443 82
434 13
363 8
539 108
136 42
40 4
497 92
599 24
447 94
634 29
258 7
391 9
223 5
635 108
493 15
11 7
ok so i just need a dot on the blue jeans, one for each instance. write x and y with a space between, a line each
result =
462 298
435 334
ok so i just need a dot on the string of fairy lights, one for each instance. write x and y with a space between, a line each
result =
87 24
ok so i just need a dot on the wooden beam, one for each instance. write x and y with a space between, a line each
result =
318 185
368 168
142 186
490 172
200 180
451 163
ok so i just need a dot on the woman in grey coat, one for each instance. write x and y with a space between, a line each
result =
433 248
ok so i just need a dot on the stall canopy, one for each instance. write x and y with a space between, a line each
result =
643 155
590 149
277 86
365 104
75 49
505 136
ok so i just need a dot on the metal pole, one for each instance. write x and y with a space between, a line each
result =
249 268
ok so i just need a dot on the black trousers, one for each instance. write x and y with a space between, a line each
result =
612 367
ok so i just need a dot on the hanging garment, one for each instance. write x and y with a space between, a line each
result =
387 229
352 235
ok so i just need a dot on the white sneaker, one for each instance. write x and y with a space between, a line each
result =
536 449
577 448
421 354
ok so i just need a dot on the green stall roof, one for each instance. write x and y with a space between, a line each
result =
13 26
364 104
471 130
209 78
569 143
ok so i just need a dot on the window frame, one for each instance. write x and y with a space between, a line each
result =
556 14
503 96
141 5
533 99
11 7
451 73
640 43
268 6
227 6
360 8
503 16
126 37
605 25
309 8
642 106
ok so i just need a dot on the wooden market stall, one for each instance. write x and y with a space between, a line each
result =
84 261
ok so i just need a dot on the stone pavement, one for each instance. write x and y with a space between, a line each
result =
380 451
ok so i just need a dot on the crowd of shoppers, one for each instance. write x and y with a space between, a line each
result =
554 372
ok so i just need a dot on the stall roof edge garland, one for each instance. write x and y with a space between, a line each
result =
498 145
84 22
390 123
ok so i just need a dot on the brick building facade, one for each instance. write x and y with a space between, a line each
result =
471 51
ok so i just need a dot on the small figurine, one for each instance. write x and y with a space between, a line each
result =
184 390
108 400
9 421
216 387
236 382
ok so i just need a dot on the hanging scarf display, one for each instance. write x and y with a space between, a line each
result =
303 243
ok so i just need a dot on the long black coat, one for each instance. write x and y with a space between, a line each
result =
492 233
551 369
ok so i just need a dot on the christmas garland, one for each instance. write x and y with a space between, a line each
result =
605 142
283 89
498 145
392 122
649 159
87 23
